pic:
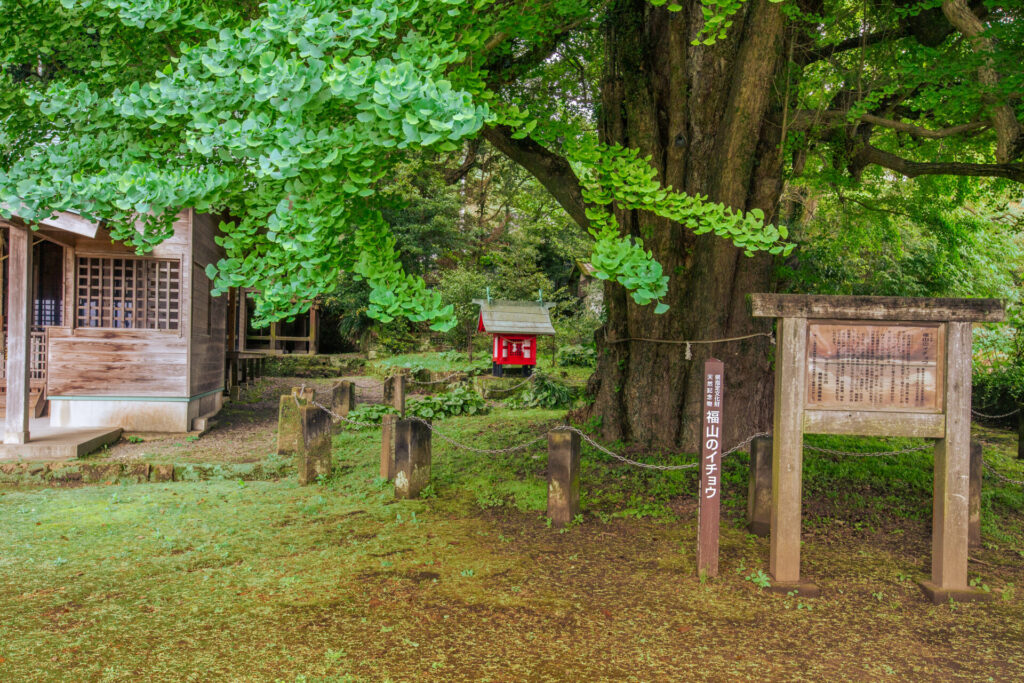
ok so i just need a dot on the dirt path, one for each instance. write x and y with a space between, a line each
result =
245 430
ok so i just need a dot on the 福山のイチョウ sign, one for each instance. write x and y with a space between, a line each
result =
709 509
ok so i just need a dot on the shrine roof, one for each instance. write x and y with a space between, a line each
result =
515 317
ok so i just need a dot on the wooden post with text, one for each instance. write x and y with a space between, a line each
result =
709 510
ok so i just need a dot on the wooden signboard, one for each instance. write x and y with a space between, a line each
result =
875 366
709 510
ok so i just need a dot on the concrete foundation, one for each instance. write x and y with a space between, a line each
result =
173 415
57 443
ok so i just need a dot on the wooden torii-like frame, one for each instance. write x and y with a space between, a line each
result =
875 366
19 314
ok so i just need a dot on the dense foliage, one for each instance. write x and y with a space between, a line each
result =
288 116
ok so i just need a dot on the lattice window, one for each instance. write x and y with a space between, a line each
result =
129 293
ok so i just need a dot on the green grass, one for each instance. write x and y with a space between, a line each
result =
265 581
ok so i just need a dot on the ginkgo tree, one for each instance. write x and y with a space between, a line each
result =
665 129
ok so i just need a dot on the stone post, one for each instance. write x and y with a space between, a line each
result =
315 448
974 496
387 446
394 393
343 397
563 476
759 492
412 458
289 426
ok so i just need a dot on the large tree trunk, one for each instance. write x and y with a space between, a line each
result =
710 117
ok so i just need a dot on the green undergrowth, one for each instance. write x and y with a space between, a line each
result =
320 365
457 361
338 581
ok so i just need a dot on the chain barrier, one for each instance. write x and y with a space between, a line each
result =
513 388
995 417
1003 477
644 465
629 461
339 416
486 451
436 381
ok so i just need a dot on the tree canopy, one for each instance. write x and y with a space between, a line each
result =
289 117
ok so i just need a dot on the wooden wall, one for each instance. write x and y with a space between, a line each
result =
208 332
94 362
114 362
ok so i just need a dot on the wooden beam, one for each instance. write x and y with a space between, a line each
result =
952 468
787 451
871 423
19 319
875 308
66 221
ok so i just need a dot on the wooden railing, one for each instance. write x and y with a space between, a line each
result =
37 355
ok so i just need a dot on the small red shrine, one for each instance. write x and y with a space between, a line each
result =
514 327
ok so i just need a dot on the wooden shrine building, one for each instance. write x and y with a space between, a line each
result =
299 335
514 327
102 339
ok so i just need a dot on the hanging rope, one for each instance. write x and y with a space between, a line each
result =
688 342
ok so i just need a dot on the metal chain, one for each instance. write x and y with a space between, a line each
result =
995 417
513 388
436 381
1003 477
338 416
629 461
875 454
488 451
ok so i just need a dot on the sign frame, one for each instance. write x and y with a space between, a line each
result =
950 428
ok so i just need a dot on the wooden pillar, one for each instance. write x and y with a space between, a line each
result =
273 336
974 499
243 318
563 477
387 447
1020 431
787 457
19 326
232 316
233 390
950 509
311 345
759 491
412 458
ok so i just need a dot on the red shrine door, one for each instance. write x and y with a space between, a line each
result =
514 349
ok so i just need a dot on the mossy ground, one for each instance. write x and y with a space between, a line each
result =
265 581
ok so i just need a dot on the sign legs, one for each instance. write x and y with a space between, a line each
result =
787 459
950 506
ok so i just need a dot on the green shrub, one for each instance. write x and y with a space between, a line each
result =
370 412
998 377
577 356
544 392
396 336
459 401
